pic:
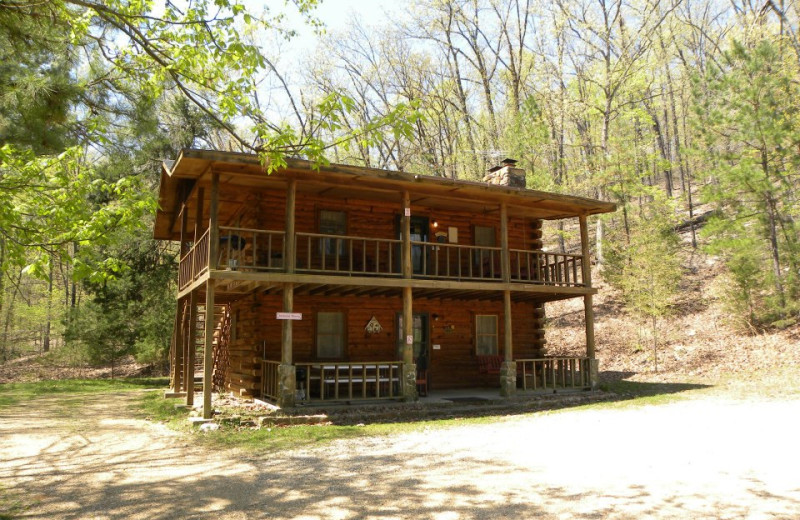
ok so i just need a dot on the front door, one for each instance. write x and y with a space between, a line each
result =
421 347
420 232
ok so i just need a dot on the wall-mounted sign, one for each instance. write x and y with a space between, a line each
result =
452 235
409 340
373 327
408 212
289 315
437 347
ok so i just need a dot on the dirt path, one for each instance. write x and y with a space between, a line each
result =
82 458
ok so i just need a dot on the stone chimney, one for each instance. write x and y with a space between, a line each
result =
506 175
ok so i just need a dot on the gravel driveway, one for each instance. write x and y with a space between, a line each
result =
702 458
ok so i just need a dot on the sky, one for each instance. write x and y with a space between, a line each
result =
337 13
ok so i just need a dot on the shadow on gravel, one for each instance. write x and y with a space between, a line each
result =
618 390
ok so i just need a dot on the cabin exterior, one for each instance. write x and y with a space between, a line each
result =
351 283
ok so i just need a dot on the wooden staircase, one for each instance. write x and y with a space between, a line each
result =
221 318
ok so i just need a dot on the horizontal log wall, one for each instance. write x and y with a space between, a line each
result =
452 366
370 219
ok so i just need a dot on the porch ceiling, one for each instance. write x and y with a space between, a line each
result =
240 174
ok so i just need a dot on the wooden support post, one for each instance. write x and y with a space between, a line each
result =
290 252
508 347
178 368
408 313
198 214
408 326
183 231
287 379
505 255
587 282
213 223
588 311
405 235
208 351
409 369
191 344
286 325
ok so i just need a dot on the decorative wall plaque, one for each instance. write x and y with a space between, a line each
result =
373 327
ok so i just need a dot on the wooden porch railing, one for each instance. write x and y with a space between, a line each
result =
338 254
546 268
269 379
195 262
456 262
262 250
348 381
248 249
553 373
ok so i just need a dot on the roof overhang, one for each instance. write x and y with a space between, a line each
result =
194 167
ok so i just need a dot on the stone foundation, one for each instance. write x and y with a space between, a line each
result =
508 379
287 384
409 389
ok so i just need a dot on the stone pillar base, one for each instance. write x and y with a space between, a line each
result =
594 371
287 384
409 382
508 378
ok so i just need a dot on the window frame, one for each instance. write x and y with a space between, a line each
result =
495 335
326 245
343 351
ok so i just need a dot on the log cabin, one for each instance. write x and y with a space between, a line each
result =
335 282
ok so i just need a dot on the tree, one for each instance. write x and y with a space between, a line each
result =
750 123
647 268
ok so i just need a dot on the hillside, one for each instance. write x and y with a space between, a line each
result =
700 339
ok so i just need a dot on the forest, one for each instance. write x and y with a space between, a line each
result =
682 112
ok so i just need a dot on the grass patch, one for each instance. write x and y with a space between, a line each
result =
11 504
14 393
153 407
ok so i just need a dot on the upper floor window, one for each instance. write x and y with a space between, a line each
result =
332 223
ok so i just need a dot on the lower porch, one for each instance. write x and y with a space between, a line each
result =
320 383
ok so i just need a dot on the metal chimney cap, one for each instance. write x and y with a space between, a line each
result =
508 161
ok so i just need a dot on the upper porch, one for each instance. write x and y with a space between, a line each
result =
342 228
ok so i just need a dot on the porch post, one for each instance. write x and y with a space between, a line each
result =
180 358
191 344
177 341
208 350
287 378
198 220
409 389
213 223
588 311
508 370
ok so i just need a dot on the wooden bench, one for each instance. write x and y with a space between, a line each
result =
489 365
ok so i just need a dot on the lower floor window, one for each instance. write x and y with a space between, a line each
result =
330 335
485 335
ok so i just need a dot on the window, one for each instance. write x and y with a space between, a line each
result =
485 259
485 335
332 223
484 236
330 335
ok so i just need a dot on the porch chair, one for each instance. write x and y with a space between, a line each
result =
422 383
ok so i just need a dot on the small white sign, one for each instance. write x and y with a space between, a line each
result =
289 315
408 212
437 347
409 340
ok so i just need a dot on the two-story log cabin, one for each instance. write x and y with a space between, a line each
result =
353 283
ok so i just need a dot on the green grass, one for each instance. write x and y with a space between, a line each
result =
14 393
